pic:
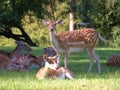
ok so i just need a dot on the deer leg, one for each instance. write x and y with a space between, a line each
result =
97 61
91 56
66 58
69 74
58 60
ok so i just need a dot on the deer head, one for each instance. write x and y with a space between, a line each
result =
22 46
51 62
50 51
51 24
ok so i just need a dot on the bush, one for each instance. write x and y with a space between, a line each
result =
115 38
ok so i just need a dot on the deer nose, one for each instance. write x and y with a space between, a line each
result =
52 29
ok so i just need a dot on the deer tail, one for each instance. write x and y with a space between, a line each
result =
102 38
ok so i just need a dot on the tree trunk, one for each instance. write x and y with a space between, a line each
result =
26 37
71 14
71 25
7 32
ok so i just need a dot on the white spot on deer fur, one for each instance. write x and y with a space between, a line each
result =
67 37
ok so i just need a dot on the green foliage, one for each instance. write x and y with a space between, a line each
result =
36 31
6 42
115 37
103 15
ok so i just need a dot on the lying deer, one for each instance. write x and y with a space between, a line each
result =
53 70
20 46
6 58
5 63
73 41
113 60
25 61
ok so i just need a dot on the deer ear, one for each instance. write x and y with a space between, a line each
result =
56 56
44 57
59 22
45 22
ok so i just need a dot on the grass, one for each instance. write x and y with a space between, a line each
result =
78 63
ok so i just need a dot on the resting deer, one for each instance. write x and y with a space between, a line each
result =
20 46
5 63
113 60
73 41
6 58
24 62
53 70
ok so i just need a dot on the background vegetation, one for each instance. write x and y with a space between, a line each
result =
19 19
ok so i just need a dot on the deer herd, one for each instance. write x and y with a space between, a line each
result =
49 61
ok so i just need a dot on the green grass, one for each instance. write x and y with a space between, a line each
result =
78 63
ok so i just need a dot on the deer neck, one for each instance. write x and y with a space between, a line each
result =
54 40
15 52
52 37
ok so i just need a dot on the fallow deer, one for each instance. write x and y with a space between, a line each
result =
24 62
20 46
73 41
6 58
53 70
113 60
5 62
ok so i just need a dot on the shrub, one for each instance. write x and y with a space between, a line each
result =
115 38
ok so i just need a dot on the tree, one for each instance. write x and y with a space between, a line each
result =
71 14
11 14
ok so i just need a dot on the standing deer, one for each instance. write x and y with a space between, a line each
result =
53 70
73 41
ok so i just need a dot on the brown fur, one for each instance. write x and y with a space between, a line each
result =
84 35
114 60
25 61
7 57
5 62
